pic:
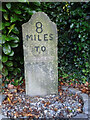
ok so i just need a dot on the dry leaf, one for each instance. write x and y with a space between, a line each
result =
10 95
43 102
15 101
64 106
60 93
79 110
66 84
9 100
82 85
76 94
47 103
29 114
55 109
0 106
2 84
86 84
61 83
84 90
15 91
36 116
56 98
12 80
10 86
16 114
0 76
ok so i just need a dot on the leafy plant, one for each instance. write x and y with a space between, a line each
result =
72 20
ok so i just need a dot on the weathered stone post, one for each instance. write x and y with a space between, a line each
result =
40 55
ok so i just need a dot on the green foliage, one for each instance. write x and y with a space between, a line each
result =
14 15
73 30
72 21
17 81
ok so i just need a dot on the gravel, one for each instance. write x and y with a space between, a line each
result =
63 105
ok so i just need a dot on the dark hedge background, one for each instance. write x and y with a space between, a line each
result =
72 20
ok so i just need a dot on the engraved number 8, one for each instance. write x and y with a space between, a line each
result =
39 27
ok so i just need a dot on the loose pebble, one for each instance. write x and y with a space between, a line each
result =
64 105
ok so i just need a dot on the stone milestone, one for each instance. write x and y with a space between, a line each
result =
40 55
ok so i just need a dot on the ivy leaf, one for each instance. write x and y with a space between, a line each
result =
15 72
87 64
13 45
10 28
11 69
6 49
10 58
82 39
3 10
5 72
37 3
14 18
8 38
3 26
8 5
79 36
6 16
4 58
1 66
15 30
18 70
7 23
9 63
72 25
31 12
2 40
15 39
12 53
17 11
